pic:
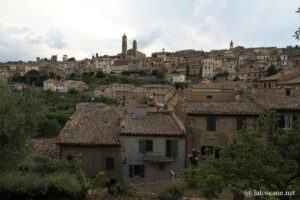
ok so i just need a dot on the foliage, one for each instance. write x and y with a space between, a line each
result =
32 77
48 128
19 116
265 158
120 188
192 175
181 85
272 70
210 182
35 186
98 180
158 74
100 74
174 191
72 91
297 33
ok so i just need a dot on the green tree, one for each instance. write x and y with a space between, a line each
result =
265 158
272 70
19 116
48 128
297 33
100 74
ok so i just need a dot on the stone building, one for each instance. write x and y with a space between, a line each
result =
211 113
92 134
153 146
64 85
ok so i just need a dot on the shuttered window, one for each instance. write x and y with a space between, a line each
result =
137 170
145 146
172 148
240 123
211 123
109 163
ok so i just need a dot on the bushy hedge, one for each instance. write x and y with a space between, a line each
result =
174 191
121 188
37 186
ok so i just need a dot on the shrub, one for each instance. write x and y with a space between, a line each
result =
174 191
100 74
72 91
98 180
35 186
48 128
211 186
181 85
120 188
192 175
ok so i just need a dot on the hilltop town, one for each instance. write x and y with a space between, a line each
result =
145 119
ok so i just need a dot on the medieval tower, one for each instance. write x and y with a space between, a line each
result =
134 48
124 46
231 44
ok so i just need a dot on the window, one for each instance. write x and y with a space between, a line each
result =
209 97
288 92
109 163
240 123
172 148
145 146
210 151
269 85
286 121
211 123
136 170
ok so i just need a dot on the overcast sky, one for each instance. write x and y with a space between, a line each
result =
80 28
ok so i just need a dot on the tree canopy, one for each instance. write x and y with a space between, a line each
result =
264 158
19 116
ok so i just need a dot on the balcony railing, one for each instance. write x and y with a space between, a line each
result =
157 157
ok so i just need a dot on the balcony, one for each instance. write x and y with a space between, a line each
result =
157 157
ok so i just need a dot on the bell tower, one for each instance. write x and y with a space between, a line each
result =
124 46
231 44
134 48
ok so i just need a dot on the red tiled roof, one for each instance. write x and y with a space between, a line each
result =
274 99
92 124
156 124
45 146
241 107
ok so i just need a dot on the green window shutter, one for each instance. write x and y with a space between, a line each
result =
142 170
131 171
110 163
211 123
174 148
149 145
142 146
240 123
168 148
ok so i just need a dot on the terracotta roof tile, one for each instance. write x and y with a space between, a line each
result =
274 99
159 124
45 146
92 124
241 107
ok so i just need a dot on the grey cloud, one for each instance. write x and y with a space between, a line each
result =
55 39
23 43
146 38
